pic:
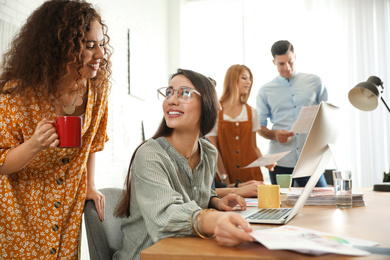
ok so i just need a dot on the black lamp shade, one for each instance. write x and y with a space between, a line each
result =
365 95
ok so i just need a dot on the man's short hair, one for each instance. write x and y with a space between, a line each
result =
281 48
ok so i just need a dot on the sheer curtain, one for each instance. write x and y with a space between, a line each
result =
342 41
369 54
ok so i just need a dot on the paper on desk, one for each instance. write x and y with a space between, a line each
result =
304 120
267 159
318 192
308 241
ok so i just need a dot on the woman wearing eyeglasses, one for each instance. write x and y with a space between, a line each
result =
168 186
234 135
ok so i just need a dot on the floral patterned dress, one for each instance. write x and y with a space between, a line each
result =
41 206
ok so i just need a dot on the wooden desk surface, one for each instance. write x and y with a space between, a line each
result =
371 222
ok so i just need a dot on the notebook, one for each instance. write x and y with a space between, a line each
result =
281 215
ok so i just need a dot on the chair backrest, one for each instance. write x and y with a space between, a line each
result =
329 176
104 238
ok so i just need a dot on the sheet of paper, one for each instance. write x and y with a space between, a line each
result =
284 190
308 241
267 159
251 202
304 120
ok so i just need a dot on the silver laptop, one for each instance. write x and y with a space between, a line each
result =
280 215
312 162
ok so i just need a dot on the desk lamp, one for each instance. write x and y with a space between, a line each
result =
365 96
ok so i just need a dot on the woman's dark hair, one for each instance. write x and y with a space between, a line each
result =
209 113
281 48
49 43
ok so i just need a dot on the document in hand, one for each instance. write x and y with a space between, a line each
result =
267 159
308 241
304 120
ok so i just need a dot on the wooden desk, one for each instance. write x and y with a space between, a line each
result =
371 223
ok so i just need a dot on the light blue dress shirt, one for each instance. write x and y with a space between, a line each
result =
281 101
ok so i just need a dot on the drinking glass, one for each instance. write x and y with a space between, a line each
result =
342 181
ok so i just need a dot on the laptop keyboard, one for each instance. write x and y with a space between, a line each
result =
269 214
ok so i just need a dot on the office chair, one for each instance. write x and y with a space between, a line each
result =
329 176
104 238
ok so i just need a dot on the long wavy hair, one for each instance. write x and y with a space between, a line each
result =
209 113
230 90
49 44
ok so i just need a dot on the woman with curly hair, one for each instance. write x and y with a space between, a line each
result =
58 64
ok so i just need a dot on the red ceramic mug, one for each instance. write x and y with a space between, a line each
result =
69 131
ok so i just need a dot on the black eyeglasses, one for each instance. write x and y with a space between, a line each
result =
183 94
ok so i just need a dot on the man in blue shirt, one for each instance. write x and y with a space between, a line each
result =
281 101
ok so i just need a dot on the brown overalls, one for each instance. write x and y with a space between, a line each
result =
235 145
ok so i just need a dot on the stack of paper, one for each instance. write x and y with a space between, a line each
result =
322 196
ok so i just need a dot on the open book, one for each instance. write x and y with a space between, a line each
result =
308 241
